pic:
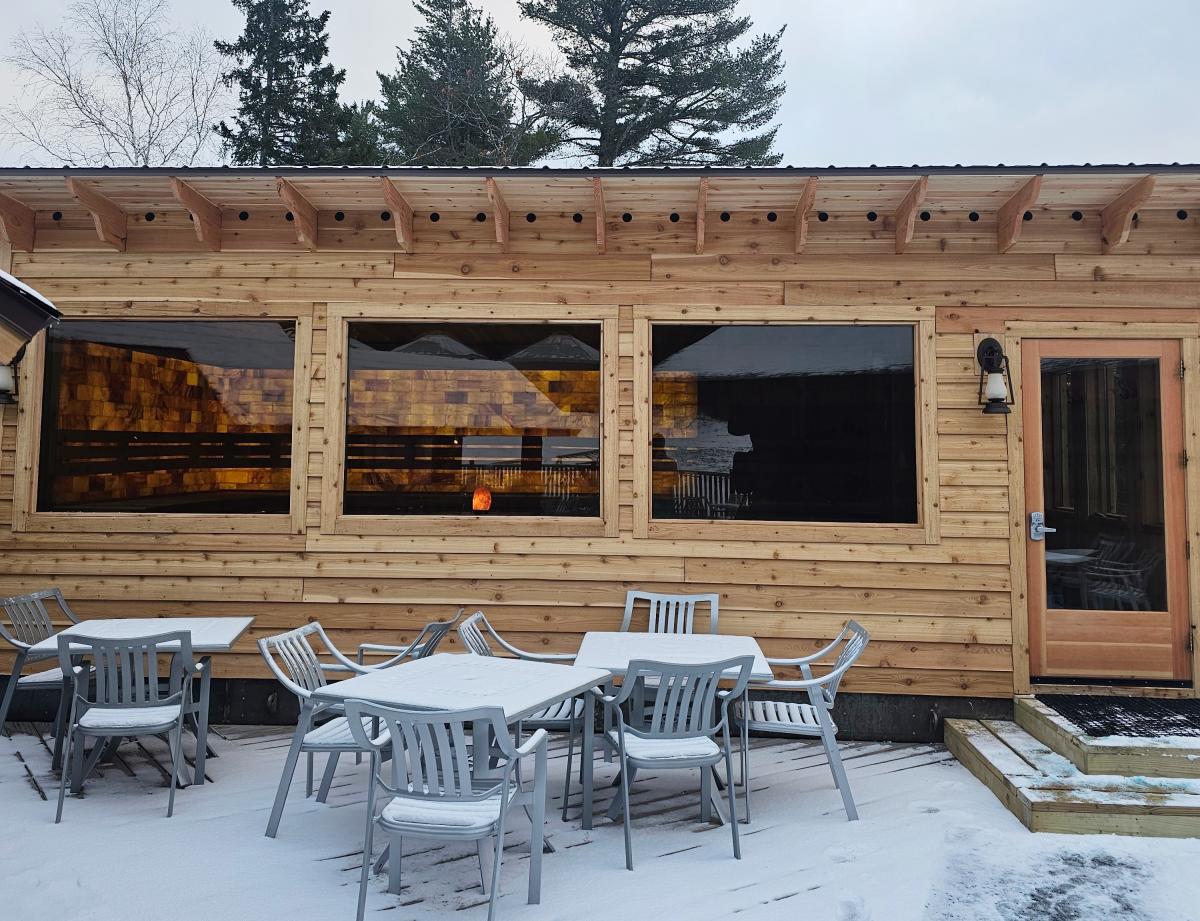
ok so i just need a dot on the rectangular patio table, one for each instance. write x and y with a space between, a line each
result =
613 652
209 635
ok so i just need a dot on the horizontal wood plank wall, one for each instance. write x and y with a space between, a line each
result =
941 614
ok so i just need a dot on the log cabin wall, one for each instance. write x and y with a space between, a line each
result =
946 615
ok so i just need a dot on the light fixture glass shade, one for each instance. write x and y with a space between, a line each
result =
8 384
996 388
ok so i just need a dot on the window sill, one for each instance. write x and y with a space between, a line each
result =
136 522
787 531
466 526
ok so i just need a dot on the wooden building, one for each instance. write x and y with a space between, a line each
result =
370 396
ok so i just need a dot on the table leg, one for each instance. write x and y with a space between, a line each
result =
202 720
587 743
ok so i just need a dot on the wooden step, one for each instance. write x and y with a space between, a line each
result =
1123 755
1048 793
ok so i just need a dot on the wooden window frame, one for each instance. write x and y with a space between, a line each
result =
926 530
335 521
27 517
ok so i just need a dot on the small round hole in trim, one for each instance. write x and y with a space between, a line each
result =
577 217
1136 217
531 217
1077 215
872 216
1181 214
385 216
772 216
627 217
822 216
434 217
287 217
56 216
925 215
339 215
725 216
973 216
245 215
480 216
674 217
150 215
1027 216
191 217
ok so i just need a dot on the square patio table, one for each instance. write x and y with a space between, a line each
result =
209 635
614 651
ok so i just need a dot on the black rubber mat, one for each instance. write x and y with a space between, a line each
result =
1145 717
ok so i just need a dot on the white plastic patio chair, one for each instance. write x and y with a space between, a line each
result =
670 613
813 720
126 699
424 644
30 622
292 659
687 710
434 791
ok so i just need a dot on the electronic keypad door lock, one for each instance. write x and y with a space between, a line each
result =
1037 526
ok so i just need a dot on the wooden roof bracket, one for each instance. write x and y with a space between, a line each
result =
1011 217
402 214
304 215
601 214
110 219
16 223
808 195
1116 220
499 213
906 214
206 216
701 211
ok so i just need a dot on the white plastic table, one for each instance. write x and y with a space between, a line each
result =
209 635
614 651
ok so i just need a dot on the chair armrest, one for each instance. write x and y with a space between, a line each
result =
814 657
11 639
532 744
530 656
398 654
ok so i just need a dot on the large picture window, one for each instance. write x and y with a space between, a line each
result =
472 419
784 423
167 417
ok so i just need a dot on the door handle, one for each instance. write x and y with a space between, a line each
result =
1037 526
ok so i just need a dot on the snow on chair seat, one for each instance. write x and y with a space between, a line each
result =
336 734
141 719
640 749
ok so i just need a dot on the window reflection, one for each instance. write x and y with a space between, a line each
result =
167 416
784 423
473 418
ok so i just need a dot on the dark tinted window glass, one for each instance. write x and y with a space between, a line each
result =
167 416
784 423
473 418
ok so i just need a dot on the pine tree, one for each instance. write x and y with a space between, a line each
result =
288 109
359 142
453 97
658 82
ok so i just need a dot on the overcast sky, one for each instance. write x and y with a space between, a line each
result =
878 81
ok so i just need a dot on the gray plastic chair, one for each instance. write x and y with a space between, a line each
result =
812 720
670 613
434 791
29 622
126 699
292 659
682 719
424 644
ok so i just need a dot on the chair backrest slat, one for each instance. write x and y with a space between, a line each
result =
291 654
670 613
856 639
471 632
31 621
127 671
685 698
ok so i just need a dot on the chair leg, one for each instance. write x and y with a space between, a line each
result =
176 752
394 864
479 842
746 766
62 780
285 780
495 894
706 794
308 777
570 761
839 775
733 817
10 689
627 819
327 777
368 842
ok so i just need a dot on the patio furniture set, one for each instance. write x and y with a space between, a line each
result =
457 743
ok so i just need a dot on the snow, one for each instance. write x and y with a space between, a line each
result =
933 845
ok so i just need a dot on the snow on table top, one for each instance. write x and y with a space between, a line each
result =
614 651
209 634
448 681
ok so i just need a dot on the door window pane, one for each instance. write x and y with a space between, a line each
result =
1102 469
473 419
167 417
784 423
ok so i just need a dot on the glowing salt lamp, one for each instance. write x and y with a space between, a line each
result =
481 499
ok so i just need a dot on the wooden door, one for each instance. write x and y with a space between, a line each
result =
1104 462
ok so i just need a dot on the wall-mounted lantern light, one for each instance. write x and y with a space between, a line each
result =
8 385
995 383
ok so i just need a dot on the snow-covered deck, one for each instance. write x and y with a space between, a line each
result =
933 844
